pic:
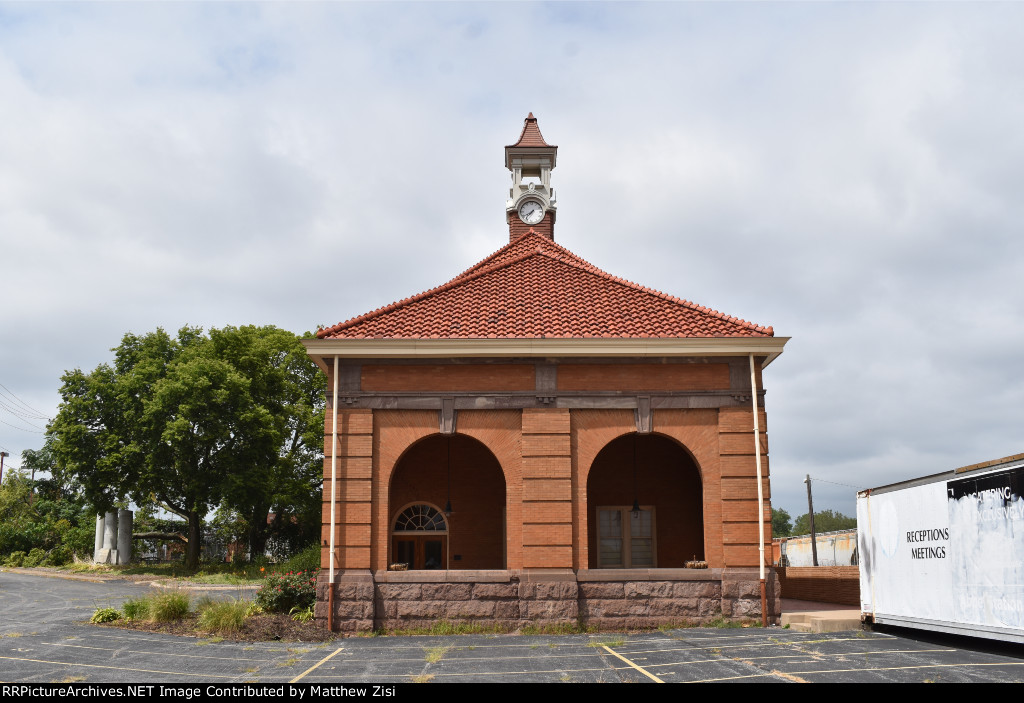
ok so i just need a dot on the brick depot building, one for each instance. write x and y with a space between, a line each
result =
538 441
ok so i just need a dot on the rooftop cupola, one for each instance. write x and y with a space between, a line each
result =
531 199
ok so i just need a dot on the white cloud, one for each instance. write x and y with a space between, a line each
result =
847 173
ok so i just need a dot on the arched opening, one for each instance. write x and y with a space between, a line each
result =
657 475
447 506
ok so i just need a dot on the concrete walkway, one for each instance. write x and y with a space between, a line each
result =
810 616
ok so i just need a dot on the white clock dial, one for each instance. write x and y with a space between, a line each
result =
531 212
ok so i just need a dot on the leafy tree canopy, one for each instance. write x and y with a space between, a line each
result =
781 523
824 521
191 421
42 512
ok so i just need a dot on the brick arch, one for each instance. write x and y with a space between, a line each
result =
695 430
476 487
396 432
667 479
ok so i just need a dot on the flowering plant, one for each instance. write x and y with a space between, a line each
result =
281 592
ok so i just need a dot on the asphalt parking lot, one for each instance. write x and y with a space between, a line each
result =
44 639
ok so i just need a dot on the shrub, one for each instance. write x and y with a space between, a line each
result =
16 559
15 538
35 557
167 607
58 556
136 609
79 540
282 592
223 616
306 560
105 615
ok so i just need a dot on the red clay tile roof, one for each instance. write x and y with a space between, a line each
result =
531 135
534 288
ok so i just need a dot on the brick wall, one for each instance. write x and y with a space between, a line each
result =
517 228
824 584
449 377
643 377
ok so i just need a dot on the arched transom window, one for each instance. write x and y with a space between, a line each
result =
420 518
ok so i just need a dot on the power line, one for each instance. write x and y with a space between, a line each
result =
24 418
19 401
836 483
23 429
21 413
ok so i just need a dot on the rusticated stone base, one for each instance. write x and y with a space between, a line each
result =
353 601
606 598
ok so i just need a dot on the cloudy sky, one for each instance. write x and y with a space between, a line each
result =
851 174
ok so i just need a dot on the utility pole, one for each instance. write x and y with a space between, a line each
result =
2 455
810 514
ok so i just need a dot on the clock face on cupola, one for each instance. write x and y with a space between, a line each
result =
531 212
531 202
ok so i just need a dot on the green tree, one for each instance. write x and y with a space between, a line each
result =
824 521
43 512
781 523
185 421
286 480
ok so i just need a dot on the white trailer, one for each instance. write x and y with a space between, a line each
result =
946 552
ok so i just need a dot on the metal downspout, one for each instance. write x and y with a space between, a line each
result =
760 493
334 476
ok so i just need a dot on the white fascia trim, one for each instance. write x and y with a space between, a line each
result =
769 347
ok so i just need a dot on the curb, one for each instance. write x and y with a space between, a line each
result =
182 585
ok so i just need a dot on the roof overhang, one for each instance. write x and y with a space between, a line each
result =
322 349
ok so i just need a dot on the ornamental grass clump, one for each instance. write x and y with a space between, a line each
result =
136 609
283 591
223 616
168 607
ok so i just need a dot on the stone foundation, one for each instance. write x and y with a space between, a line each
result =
606 598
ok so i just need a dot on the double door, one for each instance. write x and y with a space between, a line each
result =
421 552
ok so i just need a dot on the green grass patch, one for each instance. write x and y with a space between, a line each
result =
723 622
434 654
225 579
607 643
558 628
214 574
446 627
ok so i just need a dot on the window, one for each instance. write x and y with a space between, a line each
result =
625 541
420 518
420 538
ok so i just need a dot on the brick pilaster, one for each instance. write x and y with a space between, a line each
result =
353 489
739 486
547 489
